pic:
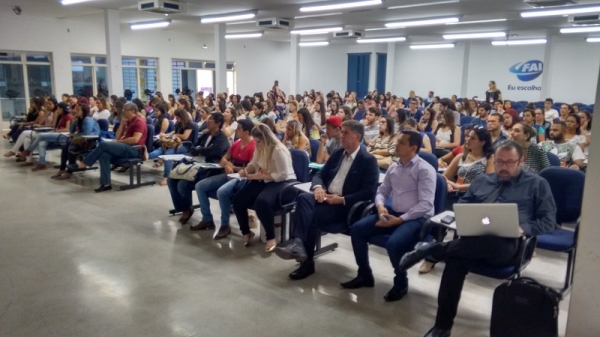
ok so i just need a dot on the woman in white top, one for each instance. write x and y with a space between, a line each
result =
230 124
573 131
102 111
270 169
447 134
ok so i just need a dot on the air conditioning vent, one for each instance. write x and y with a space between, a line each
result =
162 6
550 3
275 23
348 34
584 20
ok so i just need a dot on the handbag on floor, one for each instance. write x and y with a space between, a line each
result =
525 308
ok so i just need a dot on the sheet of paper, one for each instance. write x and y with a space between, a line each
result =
174 157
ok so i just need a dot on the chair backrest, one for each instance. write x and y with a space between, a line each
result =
567 189
314 148
431 139
194 135
300 164
441 192
103 124
171 126
554 161
150 137
462 133
464 120
149 120
430 158
116 127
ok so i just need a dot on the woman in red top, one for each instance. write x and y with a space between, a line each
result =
239 155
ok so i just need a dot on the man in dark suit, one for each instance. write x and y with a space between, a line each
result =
349 176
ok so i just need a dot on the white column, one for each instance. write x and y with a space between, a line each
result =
63 76
294 65
221 58
583 309
465 70
114 69
389 67
165 75
373 70
546 80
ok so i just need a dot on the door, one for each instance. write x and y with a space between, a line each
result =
381 68
358 74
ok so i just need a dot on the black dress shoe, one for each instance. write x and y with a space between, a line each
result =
395 294
422 250
359 282
437 332
223 232
203 226
293 251
306 269
103 188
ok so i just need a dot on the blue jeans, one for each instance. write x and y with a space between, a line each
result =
168 163
181 193
42 142
105 153
225 189
402 239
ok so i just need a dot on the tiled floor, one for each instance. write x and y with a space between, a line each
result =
77 263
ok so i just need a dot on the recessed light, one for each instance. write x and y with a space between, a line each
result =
228 17
424 22
150 25
344 5
381 40
474 35
562 11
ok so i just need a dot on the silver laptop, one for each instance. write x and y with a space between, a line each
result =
487 219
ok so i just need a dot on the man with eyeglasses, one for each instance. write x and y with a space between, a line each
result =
509 184
494 126
413 110
129 143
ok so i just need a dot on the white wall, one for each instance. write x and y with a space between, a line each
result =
323 68
424 70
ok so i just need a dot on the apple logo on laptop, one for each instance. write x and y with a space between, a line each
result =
485 221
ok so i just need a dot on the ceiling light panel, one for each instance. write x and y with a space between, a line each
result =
228 17
593 39
561 11
317 15
314 44
244 35
432 46
425 22
474 35
425 4
150 25
519 42
339 6
580 30
476 21
316 31
382 40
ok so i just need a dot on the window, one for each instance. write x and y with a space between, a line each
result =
139 75
89 75
200 76
23 75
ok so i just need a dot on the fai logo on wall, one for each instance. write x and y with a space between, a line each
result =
528 71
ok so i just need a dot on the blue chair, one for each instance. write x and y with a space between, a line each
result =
438 204
567 190
103 124
136 164
430 158
171 126
314 149
432 140
359 115
554 161
464 120
384 112
462 133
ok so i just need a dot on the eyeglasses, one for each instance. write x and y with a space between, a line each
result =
508 163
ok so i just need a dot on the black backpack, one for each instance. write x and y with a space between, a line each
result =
525 308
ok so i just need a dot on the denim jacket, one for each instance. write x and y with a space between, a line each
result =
90 127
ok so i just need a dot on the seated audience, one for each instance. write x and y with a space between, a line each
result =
82 125
330 140
130 142
529 119
62 118
294 138
230 125
349 176
510 184
483 112
411 204
540 120
428 123
565 111
495 123
534 158
101 111
310 128
37 117
447 134
266 174
383 146
238 157
212 146
572 133
444 161
510 119
586 131
549 113
161 125
413 110
372 124
411 125
172 142
259 112
570 154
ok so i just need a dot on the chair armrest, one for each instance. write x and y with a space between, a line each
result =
525 251
358 211
288 195
138 147
428 225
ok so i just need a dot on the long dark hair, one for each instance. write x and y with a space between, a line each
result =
484 136
589 117
390 124
432 114
183 118
308 121
138 102
163 114
578 120
85 112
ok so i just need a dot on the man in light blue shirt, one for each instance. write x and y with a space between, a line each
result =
411 184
